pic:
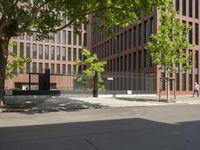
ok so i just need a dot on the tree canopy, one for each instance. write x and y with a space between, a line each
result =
168 45
94 65
44 16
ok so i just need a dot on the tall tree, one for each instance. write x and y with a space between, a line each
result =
168 45
44 16
93 64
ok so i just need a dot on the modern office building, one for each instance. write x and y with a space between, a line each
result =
59 54
126 52
128 60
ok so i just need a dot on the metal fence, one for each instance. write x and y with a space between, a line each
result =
134 82
137 82
129 81
71 82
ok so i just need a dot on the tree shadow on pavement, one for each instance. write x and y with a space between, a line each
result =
50 104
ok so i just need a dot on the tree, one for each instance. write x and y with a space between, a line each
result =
15 62
168 45
44 16
93 65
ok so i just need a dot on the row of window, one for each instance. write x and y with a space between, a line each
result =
187 7
185 82
193 39
130 62
65 39
64 69
129 39
183 74
47 52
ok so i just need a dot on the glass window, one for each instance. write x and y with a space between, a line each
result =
80 39
58 53
121 64
74 54
190 34
46 66
139 34
139 60
58 69
197 9
196 34
114 65
58 37
40 51
40 68
129 62
130 38
52 69
151 26
52 52
134 37
28 68
34 51
69 37
117 43
117 64
122 42
21 49
125 41
74 38
46 52
28 37
145 58
177 5
79 54
34 67
69 54
134 60
63 53
85 39
69 69
125 63
28 50
111 47
64 37
34 36
114 46
63 69
145 32
184 7
74 69
190 8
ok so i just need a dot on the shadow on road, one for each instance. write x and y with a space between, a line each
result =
126 134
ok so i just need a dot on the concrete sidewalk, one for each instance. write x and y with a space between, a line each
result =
67 103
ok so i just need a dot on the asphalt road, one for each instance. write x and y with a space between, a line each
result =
172 127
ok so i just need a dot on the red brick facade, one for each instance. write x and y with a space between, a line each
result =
126 52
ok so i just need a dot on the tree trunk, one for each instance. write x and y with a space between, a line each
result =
3 63
168 86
